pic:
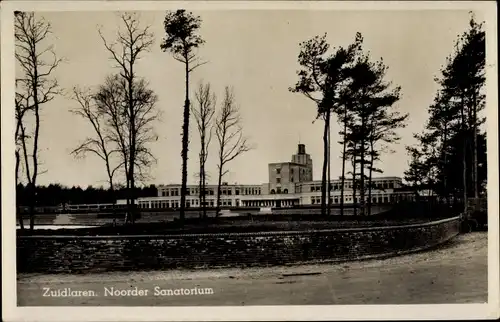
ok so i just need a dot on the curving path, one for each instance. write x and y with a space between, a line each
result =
453 273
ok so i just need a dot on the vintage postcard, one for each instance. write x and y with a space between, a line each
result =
203 161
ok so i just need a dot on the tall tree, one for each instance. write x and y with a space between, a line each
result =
182 41
382 125
345 118
373 122
100 143
37 86
139 101
22 107
203 113
320 79
229 133
454 116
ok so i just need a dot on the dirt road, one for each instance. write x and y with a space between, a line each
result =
454 273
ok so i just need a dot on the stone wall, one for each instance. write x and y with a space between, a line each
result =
64 254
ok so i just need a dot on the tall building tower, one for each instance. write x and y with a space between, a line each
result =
283 176
304 159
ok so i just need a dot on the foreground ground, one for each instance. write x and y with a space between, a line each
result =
454 273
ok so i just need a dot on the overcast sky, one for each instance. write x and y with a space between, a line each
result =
256 53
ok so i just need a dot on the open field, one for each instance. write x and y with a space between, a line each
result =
456 272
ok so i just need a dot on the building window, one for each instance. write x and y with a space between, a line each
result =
278 171
273 192
285 191
278 190
237 192
278 180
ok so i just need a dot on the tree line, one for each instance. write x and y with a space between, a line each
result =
54 195
347 83
449 159
122 110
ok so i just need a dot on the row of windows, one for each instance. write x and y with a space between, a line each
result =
211 192
175 203
333 187
379 199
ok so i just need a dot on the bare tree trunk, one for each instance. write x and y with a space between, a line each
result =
445 175
370 179
344 148
325 165
35 149
185 145
18 212
200 184
28 174
219 184
464 158
354 183
132 145
329 165
204 195
362 172
474 146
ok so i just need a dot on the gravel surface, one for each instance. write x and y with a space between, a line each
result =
453 273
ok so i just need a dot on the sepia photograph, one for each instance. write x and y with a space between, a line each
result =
262 157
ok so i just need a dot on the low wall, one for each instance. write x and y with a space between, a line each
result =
80 254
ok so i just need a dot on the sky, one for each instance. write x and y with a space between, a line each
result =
255 52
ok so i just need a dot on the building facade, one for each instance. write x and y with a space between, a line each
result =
290 184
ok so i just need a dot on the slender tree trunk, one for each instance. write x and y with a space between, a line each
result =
354 183
127 193
344 147
445 175
464 158
185 143
329 165
35 149
132 148
325 165
370 173
219 184
31 205
204 195
200 183
474 146
362 174
18 212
